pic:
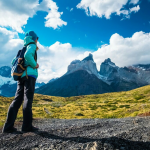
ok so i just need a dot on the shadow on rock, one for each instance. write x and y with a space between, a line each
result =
97 144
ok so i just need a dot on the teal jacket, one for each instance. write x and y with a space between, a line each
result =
29 57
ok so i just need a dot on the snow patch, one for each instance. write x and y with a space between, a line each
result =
5 80
111 64
36 87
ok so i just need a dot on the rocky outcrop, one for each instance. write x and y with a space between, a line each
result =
108 68
124 78
86 64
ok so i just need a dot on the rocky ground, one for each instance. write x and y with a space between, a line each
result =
81 134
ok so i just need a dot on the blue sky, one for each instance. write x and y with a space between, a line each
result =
70 30
88 32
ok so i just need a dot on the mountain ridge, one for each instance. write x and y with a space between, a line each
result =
117 78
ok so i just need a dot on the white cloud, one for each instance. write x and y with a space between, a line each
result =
55 59
135 9
71 9
134 2
125 51
15 14
53 19
9 44
105 8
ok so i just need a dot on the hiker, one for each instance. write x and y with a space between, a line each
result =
25 88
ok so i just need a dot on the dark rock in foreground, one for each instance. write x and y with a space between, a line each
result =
82 134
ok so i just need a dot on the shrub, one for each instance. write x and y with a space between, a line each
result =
93 107
126 106
138 97
79 114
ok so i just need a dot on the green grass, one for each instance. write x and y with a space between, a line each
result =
108 105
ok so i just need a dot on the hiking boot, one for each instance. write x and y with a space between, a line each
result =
33 129
10 130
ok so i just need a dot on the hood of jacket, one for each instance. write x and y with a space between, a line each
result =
27 40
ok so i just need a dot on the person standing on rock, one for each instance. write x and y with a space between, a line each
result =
25 88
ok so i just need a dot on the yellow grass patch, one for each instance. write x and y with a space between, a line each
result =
108 105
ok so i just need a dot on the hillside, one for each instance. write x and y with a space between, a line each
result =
74 84
108 105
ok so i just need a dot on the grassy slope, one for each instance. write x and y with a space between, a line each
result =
108 105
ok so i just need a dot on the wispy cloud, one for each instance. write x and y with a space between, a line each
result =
15 14
53 19
125 51
54 59
102 8
70 9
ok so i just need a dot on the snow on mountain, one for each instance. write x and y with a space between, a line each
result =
145 67
6 80
86 64
37 85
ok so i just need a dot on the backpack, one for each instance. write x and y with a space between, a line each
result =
17 69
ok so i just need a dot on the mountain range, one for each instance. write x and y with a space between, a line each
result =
83 78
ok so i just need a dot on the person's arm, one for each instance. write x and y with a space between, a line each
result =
29 55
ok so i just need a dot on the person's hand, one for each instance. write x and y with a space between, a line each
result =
37 48
19 60
37 66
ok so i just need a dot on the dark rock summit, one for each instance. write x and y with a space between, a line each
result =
81 134
107 68
90 57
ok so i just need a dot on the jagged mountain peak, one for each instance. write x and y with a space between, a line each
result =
86 64
90 57
75 61
107 60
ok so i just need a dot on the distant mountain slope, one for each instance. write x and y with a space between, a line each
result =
116 78
77 83
125 78
7 84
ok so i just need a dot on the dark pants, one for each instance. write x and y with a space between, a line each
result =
25 91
